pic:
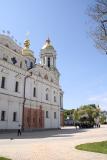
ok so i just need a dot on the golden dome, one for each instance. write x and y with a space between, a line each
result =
47 44
26 51
26 43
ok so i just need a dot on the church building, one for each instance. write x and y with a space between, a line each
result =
30 93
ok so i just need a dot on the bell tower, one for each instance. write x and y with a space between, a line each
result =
48 55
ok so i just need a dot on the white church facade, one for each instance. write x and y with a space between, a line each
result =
30 93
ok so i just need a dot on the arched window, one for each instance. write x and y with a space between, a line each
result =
44 60
31 64
34 92
14 61
21 64
54 98
47 94
48 62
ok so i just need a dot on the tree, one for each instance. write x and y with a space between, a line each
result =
102 119
76 115
86 115
98 12
68 113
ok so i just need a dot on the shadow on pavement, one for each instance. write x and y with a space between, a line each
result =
64 132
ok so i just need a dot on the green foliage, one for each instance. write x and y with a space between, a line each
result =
68 113
86 113
102 119
100 147
2 158
65 115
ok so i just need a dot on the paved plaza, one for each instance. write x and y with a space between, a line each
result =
52 144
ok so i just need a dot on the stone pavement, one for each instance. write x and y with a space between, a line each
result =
52 144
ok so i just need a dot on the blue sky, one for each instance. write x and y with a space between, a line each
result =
83 68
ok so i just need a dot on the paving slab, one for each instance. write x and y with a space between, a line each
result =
52 144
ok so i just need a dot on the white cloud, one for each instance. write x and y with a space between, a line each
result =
99 99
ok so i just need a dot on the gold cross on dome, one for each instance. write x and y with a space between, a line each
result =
27 34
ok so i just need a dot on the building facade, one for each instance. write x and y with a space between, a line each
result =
30 93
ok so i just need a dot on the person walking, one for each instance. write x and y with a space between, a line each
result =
19 130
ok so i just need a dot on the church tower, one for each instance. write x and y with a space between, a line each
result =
28 54
48 55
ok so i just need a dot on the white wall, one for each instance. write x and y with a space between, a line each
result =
10 104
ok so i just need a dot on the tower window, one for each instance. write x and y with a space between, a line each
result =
14 116
34 92
16 86
3 114
48 62
3 82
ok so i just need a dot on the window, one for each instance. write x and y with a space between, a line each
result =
3 114
7 45
39 74
51 80
14 61
43 60
48 62
21 64
47 114
34 92
46 96
16 86
60 101
4 58
3 82
54 115
54 98
14 116
26 62
46 76
31 64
